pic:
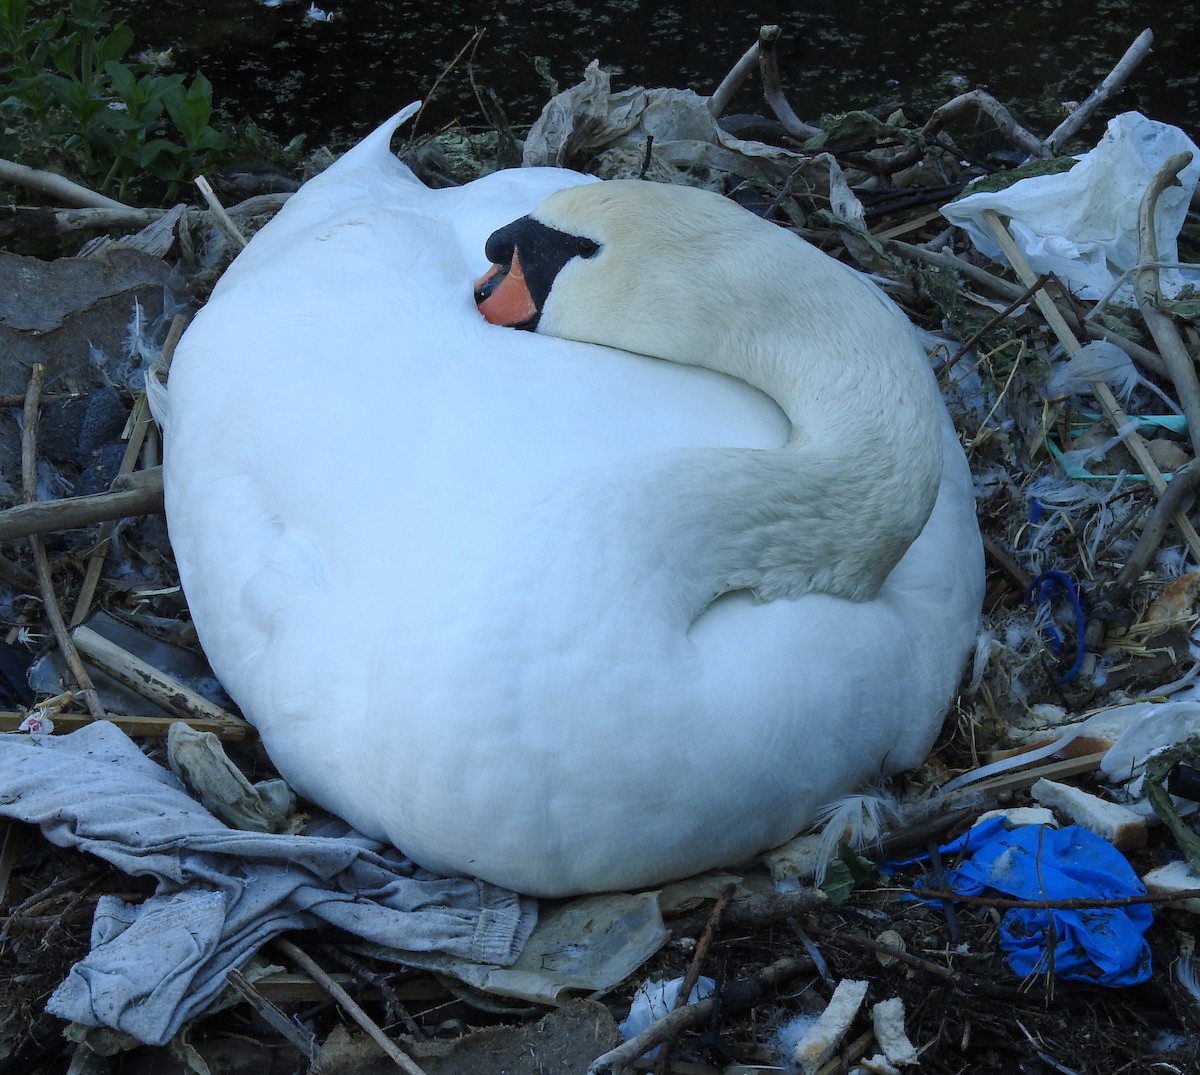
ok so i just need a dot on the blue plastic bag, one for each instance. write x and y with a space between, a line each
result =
1102 945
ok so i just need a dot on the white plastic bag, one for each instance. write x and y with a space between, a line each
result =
1082 224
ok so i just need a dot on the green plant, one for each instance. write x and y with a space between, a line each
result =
67 88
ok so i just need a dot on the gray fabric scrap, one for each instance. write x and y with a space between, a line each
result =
222 893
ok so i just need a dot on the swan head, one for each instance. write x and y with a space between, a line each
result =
688 276
644 267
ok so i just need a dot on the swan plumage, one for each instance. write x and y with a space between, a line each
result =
429 557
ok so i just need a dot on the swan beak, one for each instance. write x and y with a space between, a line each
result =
503 296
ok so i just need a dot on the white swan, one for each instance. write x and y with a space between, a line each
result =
487 594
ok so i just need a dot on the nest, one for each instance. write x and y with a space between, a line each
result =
1109 531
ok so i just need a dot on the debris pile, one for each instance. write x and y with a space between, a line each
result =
1026 900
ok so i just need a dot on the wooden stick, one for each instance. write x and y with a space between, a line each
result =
1077 904
1007 123
148 681
662 1064
768 65
1179 363
310 967
224 220
1108 402
140 421
741 994
301 1037
1182 486
55 186
1006 290
1027 777
135 726
72 512
1112 82
41 565
733 81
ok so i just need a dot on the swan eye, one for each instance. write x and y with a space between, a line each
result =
587 248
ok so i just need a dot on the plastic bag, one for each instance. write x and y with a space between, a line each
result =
1082 224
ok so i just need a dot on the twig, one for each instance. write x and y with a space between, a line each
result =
404 1062
136 727
647 157
755 912
1111 82
9 852
301 1037
768 64
1003 560
1078 904
139 427
140 419
471 45
994 321
1006 290
693 972
1170 503
56 186
149 681
41 564
224 220
733 81
739 995
394 1006
1005 121
869 944
70 513
1179 363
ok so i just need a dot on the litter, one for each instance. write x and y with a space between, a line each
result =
1098 945
222 893
655 999
1082 224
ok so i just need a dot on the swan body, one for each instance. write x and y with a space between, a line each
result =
543 611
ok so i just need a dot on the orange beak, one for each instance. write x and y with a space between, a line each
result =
503 296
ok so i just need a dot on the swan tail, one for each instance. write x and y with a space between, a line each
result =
377 146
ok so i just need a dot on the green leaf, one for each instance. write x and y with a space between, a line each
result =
162 158
12 23
122 78
847 872
115 45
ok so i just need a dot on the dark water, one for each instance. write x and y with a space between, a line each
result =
334 80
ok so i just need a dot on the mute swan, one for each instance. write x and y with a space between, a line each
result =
549 613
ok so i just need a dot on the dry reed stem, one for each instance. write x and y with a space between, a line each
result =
310 967
139 426
41 565
224 220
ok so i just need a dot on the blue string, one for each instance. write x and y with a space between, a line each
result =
1042 590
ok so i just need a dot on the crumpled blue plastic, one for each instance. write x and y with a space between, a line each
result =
1101 945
